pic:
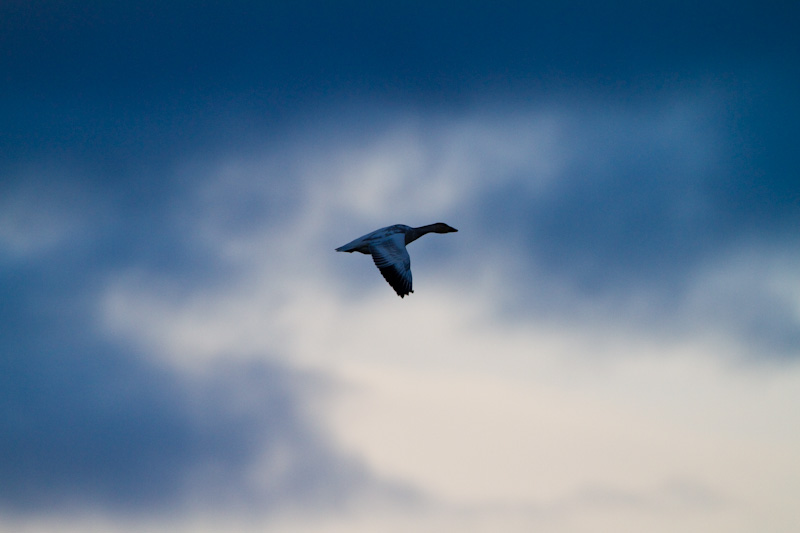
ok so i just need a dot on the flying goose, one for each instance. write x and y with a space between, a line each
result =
387 246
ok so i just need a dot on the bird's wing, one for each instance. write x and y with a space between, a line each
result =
357 245
363 243
391 258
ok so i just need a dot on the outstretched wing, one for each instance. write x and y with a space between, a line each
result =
391 258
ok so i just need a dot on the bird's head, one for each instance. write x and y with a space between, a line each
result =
441 227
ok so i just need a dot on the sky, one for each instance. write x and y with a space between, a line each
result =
611 341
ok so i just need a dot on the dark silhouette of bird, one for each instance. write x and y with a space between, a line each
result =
387 246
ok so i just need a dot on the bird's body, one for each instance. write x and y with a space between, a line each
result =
387 246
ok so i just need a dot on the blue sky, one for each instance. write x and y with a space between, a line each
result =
610 339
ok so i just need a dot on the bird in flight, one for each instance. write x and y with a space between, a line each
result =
387 246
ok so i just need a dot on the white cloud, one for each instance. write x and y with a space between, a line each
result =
572 424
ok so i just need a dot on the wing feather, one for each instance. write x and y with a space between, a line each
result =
392 259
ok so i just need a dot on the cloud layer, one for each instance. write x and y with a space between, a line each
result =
610 339
96 426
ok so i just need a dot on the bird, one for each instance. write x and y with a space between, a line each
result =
387 246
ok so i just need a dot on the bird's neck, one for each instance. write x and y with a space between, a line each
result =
415 233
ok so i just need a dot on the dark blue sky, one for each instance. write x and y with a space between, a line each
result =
102 104
119 80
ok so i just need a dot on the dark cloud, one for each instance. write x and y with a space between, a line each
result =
144 78
120 90
317 46
91 423
652 198
88 424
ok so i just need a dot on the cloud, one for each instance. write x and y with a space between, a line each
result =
588 212
425 48
622 179
39 214
94 422
506 387
91 425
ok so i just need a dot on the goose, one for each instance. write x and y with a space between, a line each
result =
387 246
